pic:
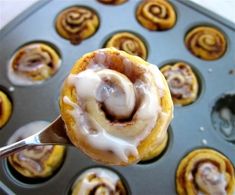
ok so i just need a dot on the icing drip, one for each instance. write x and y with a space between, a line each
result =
210 180
134 107
32 64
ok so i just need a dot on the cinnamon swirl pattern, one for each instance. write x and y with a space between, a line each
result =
129 43
5 109
156 14
205 171
77 23
98 181
205 42
35 161
182 82
112 2
33 64
116 107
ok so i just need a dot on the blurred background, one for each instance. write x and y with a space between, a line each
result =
9 9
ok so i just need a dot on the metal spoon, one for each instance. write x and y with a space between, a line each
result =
55 133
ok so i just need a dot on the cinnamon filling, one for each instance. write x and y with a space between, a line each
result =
206 42
33 157
76 23
125 92
98 181
180 81
33 63
209 180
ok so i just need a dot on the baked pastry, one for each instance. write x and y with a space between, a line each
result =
35 161
33 64
205 171
98 181
116 107
156 14
182 82
77 23
5 109
112 2
129 43
206 42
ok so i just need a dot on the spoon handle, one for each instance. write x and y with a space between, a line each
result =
55 133
20 145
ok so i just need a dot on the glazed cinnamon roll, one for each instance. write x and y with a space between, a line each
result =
35 161
205 171
182 82
116 107
5 108
129 43
98 181
33 64
77 23
206 42
156 14
112 2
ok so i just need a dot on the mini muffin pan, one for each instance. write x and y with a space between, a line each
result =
193 125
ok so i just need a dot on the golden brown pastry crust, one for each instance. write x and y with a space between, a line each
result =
182 82
34 62
91 182
77 23
129 43
112 2
186 173
5 109
206 42
37 161
156 14
150 143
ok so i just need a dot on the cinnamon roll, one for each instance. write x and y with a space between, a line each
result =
182 82
156 14
205 171
5 108
116 107
77 23
33 64
98 181
112 2
205 42
129 43
35 161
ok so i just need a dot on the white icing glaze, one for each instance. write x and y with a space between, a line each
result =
20 79
210 179
101 139
109 177
28 130
119 99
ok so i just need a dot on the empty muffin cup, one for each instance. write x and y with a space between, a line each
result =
223 117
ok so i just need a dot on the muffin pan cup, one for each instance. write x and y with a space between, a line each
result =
191 127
